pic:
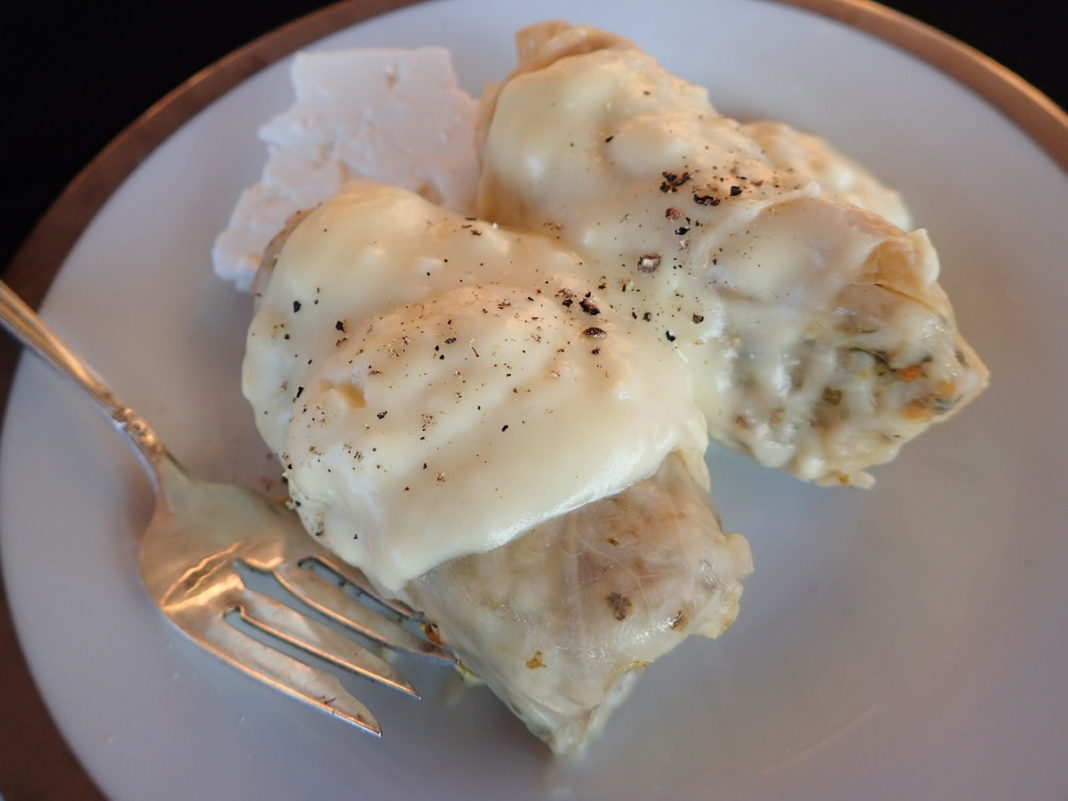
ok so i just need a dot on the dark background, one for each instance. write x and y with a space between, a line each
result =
75 73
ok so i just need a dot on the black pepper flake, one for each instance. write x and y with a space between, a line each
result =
647 316
682 229
735 191
595 332
609 139
589 307
340 325
670 336
450 340
504 427
595 351
698 318
300 391
380 415
706 200
296 306
672 181
567 301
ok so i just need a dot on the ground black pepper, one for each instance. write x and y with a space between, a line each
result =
672 181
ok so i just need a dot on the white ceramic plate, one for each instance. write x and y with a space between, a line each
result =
905 642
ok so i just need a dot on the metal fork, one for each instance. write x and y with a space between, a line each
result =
202 533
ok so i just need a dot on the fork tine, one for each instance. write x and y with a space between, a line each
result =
328 599
283 673
357 579
289 626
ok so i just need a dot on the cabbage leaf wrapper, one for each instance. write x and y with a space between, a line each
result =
561 621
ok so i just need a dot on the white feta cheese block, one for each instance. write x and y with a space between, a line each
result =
390 115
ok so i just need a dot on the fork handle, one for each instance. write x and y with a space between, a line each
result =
29 329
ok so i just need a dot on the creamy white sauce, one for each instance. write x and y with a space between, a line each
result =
436 386
808 158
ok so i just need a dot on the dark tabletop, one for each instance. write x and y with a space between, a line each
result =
76 73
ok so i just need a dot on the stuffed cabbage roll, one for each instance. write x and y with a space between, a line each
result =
561 621
459 415
820 338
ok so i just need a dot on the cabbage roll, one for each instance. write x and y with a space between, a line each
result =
819 336
561 621
460 414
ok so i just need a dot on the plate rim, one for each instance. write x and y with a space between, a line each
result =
42 253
